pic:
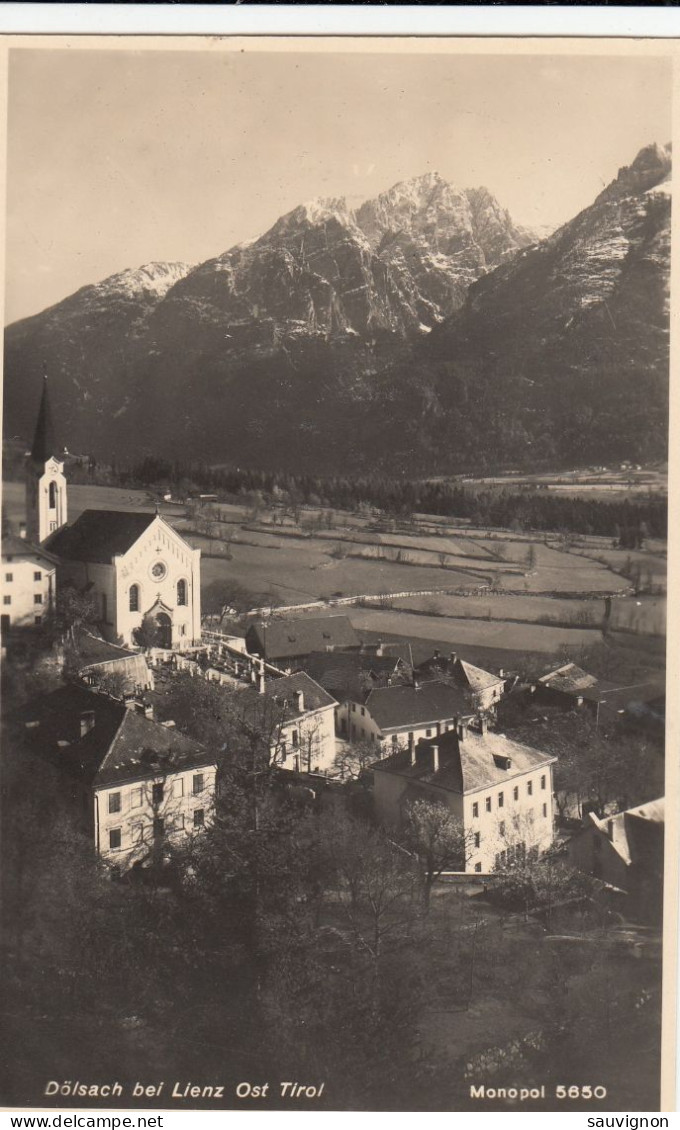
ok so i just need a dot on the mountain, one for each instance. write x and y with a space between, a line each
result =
424 331
571 336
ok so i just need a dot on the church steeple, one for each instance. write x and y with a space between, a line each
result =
46 502
44 442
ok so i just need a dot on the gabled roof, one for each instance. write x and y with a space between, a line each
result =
350 674
99 535
394 708
122 744
93 649
636 834
569 678
143 748
466 765
19 548
279 701
280 639
476 678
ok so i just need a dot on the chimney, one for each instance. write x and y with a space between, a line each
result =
260 683
435 758
86 722
453 657
438 728
501 673
461 730
300 701
22 530
412 749
147 710
579 700
610 829
379 648
129 700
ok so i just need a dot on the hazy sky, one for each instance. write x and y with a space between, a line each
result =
118 158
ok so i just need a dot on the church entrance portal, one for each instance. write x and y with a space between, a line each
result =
163 625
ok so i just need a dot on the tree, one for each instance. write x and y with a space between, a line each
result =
74 610
437 839
530 556
352 760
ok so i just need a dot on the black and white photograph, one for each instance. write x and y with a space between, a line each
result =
334 575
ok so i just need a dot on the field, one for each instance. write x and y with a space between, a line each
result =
431 580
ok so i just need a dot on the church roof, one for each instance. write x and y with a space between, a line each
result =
44 440
99 535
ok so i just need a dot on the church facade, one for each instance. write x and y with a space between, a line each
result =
144 577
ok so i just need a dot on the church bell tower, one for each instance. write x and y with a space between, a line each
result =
46 502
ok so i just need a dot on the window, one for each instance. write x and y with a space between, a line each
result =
37 576
6 600
9 576
134 598
394 739
545 811
138 833
478 839
475 809
114 838
198 783
515 793
530 788
157 793
136 798
53 496
178 787
199 817
487 804
501 828
363 712
500 800
181 592
354 708
37 620
543 781
478 867
158 826
37 599
114 802
295 739
428 733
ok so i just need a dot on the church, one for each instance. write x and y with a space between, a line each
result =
145 578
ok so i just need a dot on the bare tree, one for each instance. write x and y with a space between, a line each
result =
437 839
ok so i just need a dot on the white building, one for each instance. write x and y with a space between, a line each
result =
28 583
500 790
145 578
396 716
296 719
133 785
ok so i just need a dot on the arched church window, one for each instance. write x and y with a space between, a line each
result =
134 598
53 496
181 592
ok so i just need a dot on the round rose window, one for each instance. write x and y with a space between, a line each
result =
158 570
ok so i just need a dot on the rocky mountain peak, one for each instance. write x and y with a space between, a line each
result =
652 166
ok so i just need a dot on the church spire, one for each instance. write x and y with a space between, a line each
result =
44 442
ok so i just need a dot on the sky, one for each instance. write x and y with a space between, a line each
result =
120 158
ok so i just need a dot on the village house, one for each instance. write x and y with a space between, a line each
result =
350 677
295 718
132 784
626 851
500 790
482 688
288 642
28 584
143 575
401 715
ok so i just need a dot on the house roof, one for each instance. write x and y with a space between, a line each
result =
637 833
16 547
278 703
93 649
99 535
122 744
350 674
569 678
394 708
466 765
476 679
143 748
280 639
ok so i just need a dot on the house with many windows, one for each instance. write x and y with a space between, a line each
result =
500 790
294 717
27 583
395 715
132 784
